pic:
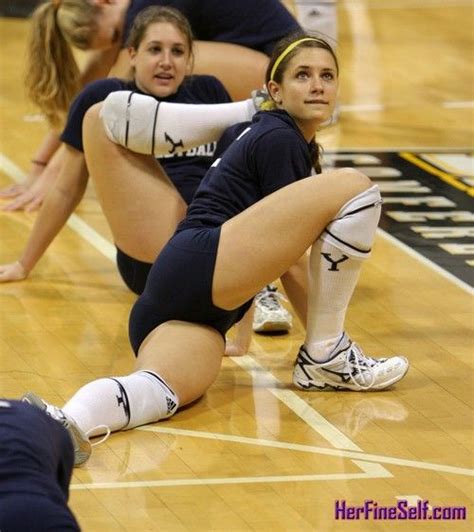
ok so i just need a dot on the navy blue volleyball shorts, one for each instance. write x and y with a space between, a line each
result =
179 287
134 272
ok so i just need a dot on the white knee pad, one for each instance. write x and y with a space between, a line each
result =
126 117
144 125
353 229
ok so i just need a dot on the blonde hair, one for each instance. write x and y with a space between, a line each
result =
52 75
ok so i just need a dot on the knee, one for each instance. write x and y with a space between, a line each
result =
91 120
353 178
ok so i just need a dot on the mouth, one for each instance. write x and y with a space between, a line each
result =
163 76
317 102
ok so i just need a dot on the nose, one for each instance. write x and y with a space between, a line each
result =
317 84
165 59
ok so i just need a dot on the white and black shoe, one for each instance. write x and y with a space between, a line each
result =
270 315
347 369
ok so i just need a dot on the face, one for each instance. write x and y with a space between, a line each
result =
308 89
162 60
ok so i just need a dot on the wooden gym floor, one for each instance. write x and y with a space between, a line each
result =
254 453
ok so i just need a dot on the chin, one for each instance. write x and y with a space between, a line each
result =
163 92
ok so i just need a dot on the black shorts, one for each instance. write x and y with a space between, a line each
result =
134 272
179 287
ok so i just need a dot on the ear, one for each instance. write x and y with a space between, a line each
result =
274 91
132 53
189 66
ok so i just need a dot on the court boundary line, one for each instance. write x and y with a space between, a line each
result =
341 453
369 463
225 481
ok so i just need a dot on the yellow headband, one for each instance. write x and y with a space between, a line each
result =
286 51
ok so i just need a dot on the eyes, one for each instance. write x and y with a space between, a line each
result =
177 50
326 75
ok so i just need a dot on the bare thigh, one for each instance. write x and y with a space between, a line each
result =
240 69
141 204
187 355
261 243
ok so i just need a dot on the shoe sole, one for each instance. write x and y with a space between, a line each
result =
273 326
324 386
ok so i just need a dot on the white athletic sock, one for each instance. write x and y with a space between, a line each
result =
144 125
335 263
121 403
332 279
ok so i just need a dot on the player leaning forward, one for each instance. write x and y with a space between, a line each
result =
255 214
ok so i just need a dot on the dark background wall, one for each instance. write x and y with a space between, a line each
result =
17 8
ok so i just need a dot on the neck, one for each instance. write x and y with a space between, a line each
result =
308 129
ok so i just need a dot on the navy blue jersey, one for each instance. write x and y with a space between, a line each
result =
256 24
36 454
186 169
269 153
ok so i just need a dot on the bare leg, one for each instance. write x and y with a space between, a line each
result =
240 69
188 356
250 254
295 283
141 204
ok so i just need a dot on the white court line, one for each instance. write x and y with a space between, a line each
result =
341 453
369 463
302 409
459 105
76 223
426 262
264 379
222 481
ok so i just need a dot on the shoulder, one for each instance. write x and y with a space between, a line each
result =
228 137
276 128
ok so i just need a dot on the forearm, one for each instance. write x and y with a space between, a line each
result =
295 283
59 204
45 152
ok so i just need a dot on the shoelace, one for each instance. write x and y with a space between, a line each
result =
57 414
270 299
363 364
104 437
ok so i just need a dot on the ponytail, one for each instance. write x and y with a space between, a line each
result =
52 77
